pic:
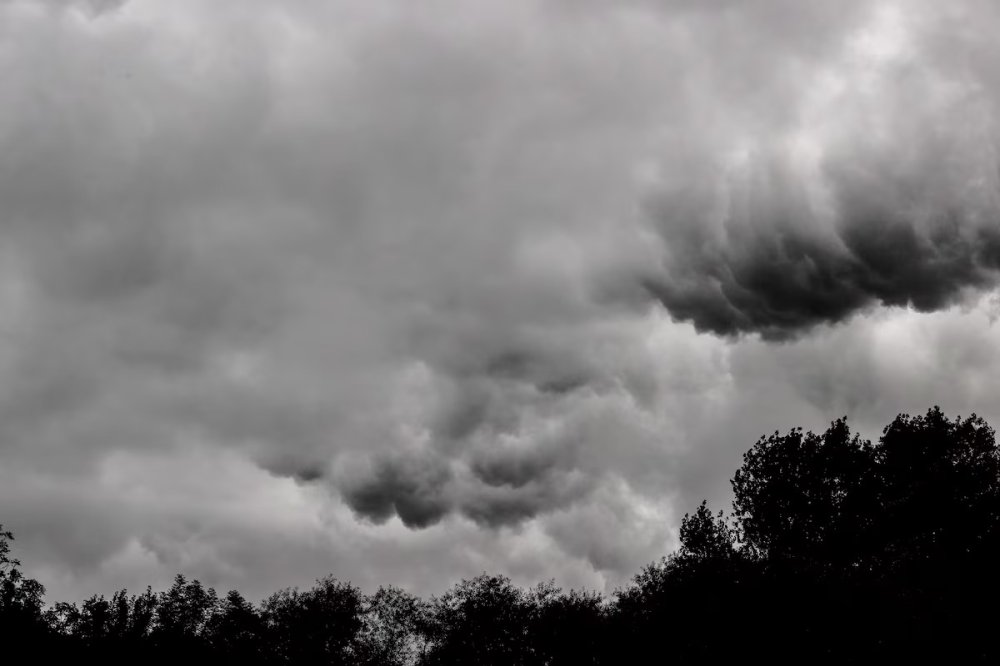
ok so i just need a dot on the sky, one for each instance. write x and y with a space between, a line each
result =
403 292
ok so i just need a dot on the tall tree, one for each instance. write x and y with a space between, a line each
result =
484 620
20 596
319 626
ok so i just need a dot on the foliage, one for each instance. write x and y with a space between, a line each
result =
394 628
20 596
319 626
837 550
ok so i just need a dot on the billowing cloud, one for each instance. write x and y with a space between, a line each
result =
401 293
878 187
410 488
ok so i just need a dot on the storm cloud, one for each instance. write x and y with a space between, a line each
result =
878 189
897 236
402 293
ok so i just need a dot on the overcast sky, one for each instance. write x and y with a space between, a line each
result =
404 291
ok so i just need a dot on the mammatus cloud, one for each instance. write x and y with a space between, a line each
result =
410 488
500 485
863 174
355 260
883 191
770 267
377 290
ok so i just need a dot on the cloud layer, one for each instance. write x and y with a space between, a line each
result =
403 293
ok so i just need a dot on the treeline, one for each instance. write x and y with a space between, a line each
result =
837 550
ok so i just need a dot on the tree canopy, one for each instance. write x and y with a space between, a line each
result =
837 550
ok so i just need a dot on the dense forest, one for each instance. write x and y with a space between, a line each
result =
837 550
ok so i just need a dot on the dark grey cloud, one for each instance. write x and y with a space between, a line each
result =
810 175
897 205
902 244
502 469
492 481
410 487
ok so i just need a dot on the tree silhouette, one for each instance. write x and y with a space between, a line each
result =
838 550
882 545
567 628
183 613
236 631
319 626
394 628
707 537
800 496
483 620
20 596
